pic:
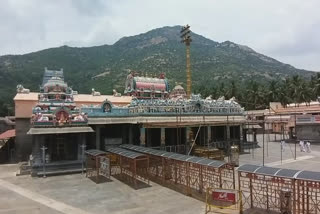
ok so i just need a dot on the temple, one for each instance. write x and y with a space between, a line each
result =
63 122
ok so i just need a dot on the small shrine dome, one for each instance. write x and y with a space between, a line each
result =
178 91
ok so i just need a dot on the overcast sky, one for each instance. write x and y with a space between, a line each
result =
288 30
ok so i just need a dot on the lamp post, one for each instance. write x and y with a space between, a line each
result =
186 38
295 136
43 148
83 147
263 141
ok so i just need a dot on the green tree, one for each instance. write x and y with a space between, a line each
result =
232 90
254 95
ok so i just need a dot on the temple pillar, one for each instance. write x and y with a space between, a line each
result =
124 134
254 135
130 134
189 138
36 152
228 139
245 132
79 136
188 129
228 132
241 140
142 136
81 141
209 135
163 137
98 140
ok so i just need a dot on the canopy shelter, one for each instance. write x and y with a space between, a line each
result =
5 136
97 163
188 174
128 166
59 130
7 140
279 190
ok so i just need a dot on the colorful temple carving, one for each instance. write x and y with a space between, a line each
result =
56 106
146 87
147 107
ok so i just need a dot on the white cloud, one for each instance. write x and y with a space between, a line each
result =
287 30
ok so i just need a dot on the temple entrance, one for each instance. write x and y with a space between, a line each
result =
62 147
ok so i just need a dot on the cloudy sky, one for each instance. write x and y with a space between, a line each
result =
288 30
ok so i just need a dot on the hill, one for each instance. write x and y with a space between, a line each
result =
105 67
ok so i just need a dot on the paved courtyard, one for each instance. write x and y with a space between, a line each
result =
272 154
77 194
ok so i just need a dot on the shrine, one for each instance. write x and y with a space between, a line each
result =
57 126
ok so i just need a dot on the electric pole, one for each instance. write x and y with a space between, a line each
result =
186 38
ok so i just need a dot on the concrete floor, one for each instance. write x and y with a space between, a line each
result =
69 193
272 154
77 194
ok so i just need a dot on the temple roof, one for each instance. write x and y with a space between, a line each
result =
32 96
55 81
149 79
48 74
101 98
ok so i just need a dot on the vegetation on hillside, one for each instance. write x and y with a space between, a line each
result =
254 95
222 67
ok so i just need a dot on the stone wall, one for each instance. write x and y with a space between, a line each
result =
23 145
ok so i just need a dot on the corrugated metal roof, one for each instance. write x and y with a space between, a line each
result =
95 152
176 156
267 170
278 172
248 168
125 153
309 175
287 173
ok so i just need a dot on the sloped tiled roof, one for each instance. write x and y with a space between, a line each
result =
8 134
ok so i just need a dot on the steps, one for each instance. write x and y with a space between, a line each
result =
58 168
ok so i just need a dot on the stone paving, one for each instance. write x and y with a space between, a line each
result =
77 194
305 161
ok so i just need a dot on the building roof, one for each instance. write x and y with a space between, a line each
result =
299 109
32 96
101 98
59 130
8 134
86 98
258 112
